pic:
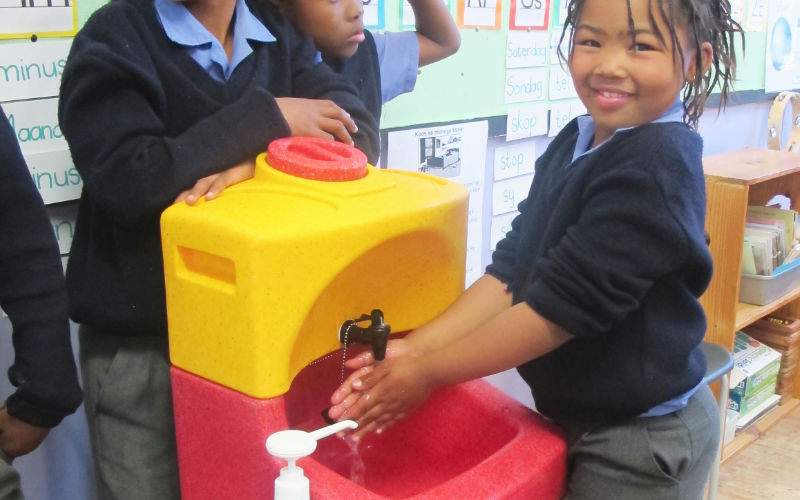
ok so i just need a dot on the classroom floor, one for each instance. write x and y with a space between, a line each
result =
768 468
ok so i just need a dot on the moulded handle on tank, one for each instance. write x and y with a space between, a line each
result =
291 445
375 335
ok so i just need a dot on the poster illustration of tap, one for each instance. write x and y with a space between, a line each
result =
43 18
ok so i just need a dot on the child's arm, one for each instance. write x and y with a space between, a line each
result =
396 386
436 31
33 294
484 299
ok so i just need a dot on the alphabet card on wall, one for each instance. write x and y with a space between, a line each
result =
499 227
561 84
479 14
514 159
374 15
526 121
31 70
507 194
737 11
557 43
22 18
562 12
756 16
529 15
55 176
525 84
62 218
562 112
524 49
35 124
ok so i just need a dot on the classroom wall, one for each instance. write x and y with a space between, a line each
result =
467 86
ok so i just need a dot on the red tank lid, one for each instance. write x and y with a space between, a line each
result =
316 158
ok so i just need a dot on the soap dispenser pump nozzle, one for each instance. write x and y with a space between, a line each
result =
291 445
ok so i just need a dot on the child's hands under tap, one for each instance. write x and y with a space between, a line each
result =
377 395
317 118
362 364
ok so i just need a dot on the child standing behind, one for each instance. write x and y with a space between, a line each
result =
33 294
593 294
164 100
381 65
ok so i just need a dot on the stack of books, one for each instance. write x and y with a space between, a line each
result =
770 245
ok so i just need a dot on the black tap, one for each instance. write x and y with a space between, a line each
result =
375 335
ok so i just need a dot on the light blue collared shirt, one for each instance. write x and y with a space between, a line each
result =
582 148
184 29
586 129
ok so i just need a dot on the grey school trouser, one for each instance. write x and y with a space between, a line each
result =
10 488
648 458
128 401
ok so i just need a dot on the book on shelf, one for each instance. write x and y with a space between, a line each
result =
769 242
786 216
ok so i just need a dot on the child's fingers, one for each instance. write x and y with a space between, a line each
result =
369 376
364 359
199 189
181 197
216 187
363 430
350 386
342 410
337 129
349 123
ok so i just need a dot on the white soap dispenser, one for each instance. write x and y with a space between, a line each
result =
290 445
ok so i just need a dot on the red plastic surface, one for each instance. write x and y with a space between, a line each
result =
468 442
315 158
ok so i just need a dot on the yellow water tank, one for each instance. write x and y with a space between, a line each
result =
260 279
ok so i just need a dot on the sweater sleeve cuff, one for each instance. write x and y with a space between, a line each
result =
36 414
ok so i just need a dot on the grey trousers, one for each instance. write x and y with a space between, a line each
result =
10 488
128 401
650 458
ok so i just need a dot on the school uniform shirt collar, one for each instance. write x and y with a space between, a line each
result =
586 129
184 29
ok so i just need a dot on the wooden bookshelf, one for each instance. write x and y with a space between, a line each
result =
735 180
755 430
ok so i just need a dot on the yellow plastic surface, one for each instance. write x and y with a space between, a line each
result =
260 279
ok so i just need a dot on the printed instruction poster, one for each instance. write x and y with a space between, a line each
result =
457 152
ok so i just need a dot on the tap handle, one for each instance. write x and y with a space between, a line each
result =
376 335
380 334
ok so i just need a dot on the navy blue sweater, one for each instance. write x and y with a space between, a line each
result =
612 249
144 121
33 294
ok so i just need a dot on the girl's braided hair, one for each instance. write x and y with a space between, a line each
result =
705 21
